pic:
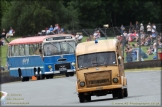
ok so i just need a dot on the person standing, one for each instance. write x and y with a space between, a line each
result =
149 29
2 36
141 28
137 27
131 27
122 28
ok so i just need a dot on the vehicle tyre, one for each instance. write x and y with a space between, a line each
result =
38 78
47 76
88 98
81 97
120 93
23 79
27 79
125 92
67 74
43 77
71 73
115 94
51 75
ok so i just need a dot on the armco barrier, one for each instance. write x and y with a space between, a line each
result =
5 77
143 64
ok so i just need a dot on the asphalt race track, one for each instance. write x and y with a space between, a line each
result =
144 89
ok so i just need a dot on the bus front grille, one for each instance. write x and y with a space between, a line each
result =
98 78
64 65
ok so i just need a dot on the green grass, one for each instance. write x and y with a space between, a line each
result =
3 50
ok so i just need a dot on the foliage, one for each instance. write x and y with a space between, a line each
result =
31 16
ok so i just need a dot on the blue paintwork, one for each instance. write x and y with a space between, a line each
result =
17 62
52 60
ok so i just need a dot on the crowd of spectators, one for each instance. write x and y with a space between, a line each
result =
51 30
5 35
137 33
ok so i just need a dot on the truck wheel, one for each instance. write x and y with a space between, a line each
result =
81 97
115 93
88 98
120 93
125 92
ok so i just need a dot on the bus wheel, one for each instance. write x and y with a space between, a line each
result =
47 76
71 73
67 74
125 92
120 93
51 76
23 79
43 77
81 97
38 77
27 79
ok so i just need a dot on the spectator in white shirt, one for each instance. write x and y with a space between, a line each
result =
149 29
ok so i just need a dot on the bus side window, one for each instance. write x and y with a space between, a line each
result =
16 50
12 50
31 50
26 50
21 50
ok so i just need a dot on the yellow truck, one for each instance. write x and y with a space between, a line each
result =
100 70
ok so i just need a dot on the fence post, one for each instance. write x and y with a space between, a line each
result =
103 32
85 32
139 52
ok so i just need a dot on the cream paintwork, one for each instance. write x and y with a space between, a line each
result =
91 47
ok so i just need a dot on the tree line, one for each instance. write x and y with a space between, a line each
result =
31 16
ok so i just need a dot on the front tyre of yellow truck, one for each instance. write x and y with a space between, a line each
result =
125 92
120 93
81 97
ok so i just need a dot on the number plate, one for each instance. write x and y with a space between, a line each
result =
62 69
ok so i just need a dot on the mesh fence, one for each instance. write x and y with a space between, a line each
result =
113 32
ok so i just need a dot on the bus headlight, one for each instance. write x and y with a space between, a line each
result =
49 66
82 84
73 64
115 80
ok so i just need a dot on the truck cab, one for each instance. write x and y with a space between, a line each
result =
100 70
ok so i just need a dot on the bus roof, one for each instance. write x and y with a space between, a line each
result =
34 39
92 47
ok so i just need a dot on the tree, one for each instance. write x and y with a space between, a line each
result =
30 17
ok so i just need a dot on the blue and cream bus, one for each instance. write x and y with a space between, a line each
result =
27 56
